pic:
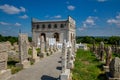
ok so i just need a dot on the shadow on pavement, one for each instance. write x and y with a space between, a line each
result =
59 68
45 77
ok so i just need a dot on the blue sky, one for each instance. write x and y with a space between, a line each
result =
93 17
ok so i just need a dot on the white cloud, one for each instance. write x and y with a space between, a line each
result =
115 20
10 9
101 0
22 9
71 7
81 29
9 24
23 17
89 22
4 23
17 24
118 16
54 17
111 21
57 16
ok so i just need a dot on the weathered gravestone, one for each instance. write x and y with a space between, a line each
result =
93 47
47 46
114 69
101 51
4 72
95 51
70 64
108 55
16 47
42 47
34 54
108 51
64 57
23 51
65 75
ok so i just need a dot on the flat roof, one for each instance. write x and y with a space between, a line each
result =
36 20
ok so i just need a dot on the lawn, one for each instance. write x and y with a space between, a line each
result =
87 67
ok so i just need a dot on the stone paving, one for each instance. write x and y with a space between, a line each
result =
48 68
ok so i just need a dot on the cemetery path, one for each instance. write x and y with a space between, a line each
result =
48 68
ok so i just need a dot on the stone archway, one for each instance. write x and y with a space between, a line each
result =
56 35
44 35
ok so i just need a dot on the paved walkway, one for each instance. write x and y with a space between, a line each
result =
48 68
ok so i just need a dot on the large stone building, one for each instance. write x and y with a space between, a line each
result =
59 29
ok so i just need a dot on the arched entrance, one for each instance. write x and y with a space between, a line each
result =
44 35
56 35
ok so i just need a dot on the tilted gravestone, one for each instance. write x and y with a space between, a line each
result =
115 68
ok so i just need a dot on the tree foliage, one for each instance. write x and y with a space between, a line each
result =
90 39
11 39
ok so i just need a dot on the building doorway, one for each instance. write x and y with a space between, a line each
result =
56 35
44 35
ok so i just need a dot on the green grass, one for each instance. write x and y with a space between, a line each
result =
30 51
87 67
11 65
38 51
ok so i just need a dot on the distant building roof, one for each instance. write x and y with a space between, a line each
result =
36 20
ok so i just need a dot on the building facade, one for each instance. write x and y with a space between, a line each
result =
58 29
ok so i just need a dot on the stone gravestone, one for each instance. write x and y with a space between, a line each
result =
65 75
34 54
95 51
101 51
93 47
64 57
23 51
4 72
42 47
108 51
47 46
51 43
116 47
70 59
114 69
108 55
